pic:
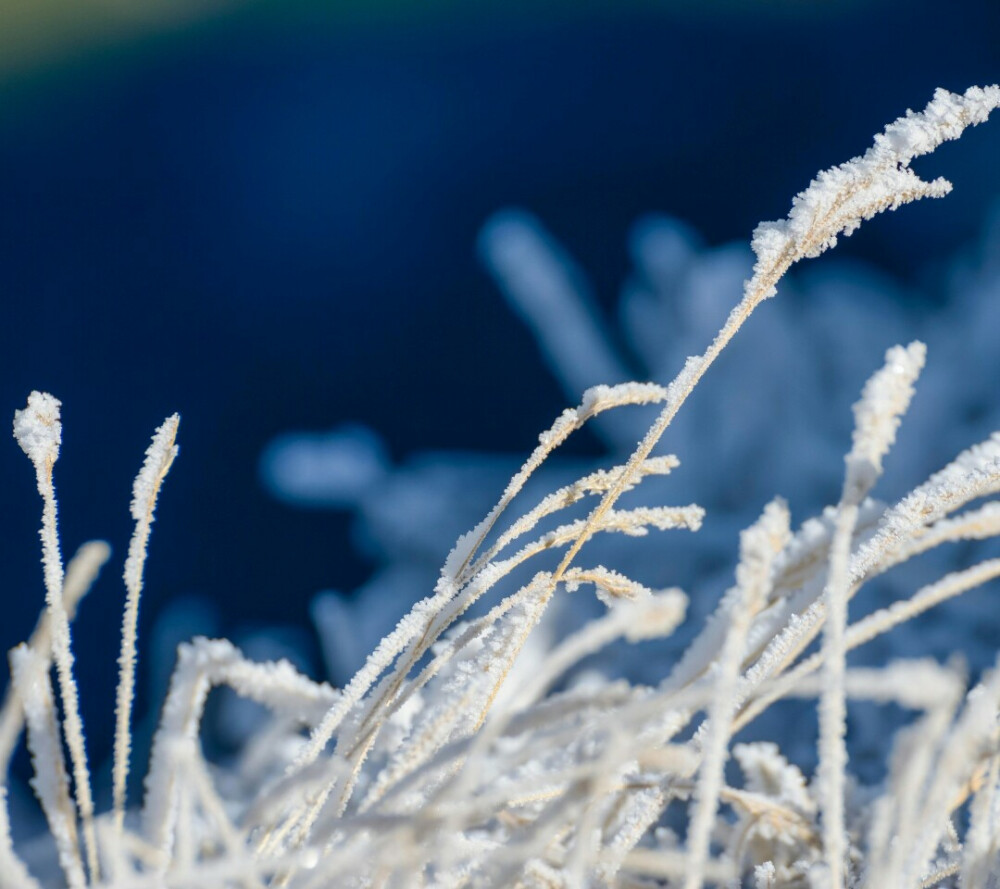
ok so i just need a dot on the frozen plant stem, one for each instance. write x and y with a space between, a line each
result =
759 545
30 676
436 780
159 457
39 433
835 203
81 572
885 399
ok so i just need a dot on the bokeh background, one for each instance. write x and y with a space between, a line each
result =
264 215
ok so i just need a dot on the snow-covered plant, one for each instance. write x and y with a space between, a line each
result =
464 754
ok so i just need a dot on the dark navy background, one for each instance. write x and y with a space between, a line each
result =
267 222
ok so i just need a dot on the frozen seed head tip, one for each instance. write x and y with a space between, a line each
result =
159 456
37 428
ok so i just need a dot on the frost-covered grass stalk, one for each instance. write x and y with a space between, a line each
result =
462 755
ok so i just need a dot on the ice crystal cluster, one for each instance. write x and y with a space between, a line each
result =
470 751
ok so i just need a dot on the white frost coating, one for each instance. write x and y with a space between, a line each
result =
798 559
648 616
409 626
612 586
13 873
639 814
953 584
81 572
759 545
601 398
767 772
29 674
37 428
595 401
594 483
202 664
981 847
973 473
945 117
836 202
972 738
631 522
857 634
39 432
159 456
469 684
839 199
917 684
567 787
884 399
764 876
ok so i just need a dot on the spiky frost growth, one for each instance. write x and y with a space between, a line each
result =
885 398
459 756
81 572
29 676
759 545
838 200
38 431
159 456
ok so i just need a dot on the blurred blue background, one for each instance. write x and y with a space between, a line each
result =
263 215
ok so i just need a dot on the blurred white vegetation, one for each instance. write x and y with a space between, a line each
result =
459 754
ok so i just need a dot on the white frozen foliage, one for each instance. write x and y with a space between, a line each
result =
470 749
